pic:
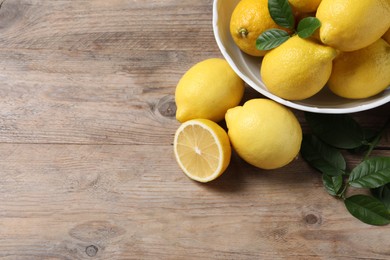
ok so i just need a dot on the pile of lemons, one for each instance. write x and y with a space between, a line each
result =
350 53
262 132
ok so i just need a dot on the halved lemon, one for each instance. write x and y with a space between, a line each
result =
202 149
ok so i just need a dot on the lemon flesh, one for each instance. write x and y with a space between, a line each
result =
202 149
297 69
362 73
349 25
264 133
207 90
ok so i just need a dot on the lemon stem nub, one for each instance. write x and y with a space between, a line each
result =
243 32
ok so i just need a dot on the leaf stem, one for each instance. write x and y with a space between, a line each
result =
243 32
376 140
343 191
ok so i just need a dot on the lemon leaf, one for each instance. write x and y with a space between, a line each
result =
371 173
368 209
271 38
308 26
326 159
332 184
383 194
281 13
338 130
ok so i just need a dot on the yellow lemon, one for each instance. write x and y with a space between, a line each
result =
208 90
386 36
305 6
362 73
297 69
249 19
264 133
349 25
202 149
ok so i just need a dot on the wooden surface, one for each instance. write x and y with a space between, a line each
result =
87 168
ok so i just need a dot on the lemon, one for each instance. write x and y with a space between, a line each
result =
207 90
264 133
350 25
202 149
304 6
297 69
386 36
362 73
249 19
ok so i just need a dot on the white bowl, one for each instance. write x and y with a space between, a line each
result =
248 68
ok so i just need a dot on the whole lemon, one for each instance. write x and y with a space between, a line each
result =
305 6
264 133
207 90
297 69
362 73
249 19
349 25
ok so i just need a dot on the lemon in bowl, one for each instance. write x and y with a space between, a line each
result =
248 67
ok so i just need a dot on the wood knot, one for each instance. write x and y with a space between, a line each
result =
167 106
91 250
312 219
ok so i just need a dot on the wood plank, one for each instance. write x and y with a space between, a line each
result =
86 128
62 201
70 82
96 72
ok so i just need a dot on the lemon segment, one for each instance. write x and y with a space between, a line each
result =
202 149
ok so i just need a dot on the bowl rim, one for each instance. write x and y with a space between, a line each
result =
291 104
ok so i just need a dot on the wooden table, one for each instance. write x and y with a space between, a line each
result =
87 170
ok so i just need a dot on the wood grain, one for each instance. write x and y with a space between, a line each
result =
87 118
60 199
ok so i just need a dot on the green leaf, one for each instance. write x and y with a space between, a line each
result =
369 136
271 38
340 131
321 156
368 210
307 26
377 138
371 173
332 184
281 13
383 194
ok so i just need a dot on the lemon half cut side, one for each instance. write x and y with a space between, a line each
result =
202 149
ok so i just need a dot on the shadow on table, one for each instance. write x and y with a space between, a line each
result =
240 175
